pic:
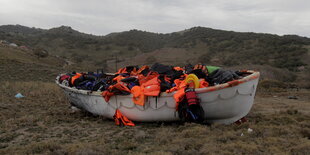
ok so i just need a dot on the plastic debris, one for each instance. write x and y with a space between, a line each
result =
19 95
250 130
74 109
241 134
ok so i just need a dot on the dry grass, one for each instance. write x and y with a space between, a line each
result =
43 123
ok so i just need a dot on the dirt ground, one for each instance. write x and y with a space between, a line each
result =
43 123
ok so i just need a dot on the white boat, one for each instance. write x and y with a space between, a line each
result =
225 103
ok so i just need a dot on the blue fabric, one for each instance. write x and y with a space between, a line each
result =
19 95
131 84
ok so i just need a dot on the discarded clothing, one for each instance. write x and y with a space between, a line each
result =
221 76
162 69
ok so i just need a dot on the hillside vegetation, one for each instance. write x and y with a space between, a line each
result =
233 48
23 65
288 55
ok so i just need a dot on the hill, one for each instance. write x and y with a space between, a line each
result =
17 64
288 54
232 48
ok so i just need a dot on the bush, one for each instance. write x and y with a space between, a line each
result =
40 53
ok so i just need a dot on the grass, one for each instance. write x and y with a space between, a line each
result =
43 123
16 65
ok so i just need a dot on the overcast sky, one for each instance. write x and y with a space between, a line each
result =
101 17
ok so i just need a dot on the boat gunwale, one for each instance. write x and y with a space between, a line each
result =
253 75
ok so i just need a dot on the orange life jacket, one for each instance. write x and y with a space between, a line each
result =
107 95
118 78
138 95
178 85
167 79
124 70
178 68
76 76
151 87
203 83
121 70
142 79
134 72
120 86
178 96
121 120
142 68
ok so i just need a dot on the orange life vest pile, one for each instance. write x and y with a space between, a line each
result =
151 82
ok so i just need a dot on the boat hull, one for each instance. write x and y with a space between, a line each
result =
224 104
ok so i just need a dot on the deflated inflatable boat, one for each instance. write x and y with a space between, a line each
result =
225 103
